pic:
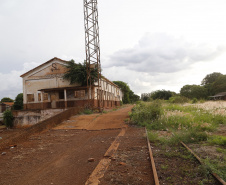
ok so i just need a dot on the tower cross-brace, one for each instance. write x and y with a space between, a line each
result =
92 46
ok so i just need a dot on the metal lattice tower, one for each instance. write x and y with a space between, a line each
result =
92 46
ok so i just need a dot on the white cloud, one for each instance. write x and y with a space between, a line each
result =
162 53
11 83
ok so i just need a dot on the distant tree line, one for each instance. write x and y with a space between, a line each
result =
212 84
128 94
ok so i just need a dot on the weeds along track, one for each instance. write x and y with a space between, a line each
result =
152 160
221 181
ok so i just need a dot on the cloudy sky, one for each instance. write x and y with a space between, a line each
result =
150 44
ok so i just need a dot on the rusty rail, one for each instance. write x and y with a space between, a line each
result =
152 160
200 161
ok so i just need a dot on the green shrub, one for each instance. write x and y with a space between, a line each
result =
87 111
146 112
152 136
178 99
194 100
218 140
8 118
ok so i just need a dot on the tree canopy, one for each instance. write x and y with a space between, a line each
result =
220 84
162 94
128 94
77 73
18 104
194 91
210 78
6 99
208 82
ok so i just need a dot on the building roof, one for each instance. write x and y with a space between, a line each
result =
219 94
43 65
109 81
8 103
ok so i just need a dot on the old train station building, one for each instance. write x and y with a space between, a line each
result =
44 87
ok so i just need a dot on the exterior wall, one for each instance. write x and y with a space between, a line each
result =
49 76
74 103
28 118
110 91
44 87
39 127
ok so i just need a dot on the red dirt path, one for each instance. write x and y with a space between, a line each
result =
60 156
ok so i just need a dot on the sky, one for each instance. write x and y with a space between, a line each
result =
149 44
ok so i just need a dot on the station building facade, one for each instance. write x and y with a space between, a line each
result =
44 88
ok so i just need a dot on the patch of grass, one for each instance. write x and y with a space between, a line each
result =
126 120
221 150
179 154
190 136
152 136
88 111
217 140
164 167
216 166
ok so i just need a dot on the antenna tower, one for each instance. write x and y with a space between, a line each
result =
92 47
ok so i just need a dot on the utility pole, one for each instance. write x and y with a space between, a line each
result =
92 46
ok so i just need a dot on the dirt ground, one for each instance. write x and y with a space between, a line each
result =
61 155
131 163
175 166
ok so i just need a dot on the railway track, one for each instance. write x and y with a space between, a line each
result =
125 154
218 179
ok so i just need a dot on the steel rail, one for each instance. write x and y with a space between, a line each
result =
200 161
152 160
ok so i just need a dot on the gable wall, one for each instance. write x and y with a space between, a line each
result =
47 76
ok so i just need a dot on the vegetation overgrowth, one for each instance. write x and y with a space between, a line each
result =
8 118
169 123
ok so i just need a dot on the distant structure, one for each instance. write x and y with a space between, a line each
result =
219 96
45 88
6 106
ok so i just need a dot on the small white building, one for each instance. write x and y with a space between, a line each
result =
44 88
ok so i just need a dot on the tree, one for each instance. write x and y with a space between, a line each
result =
128 94
8 118
133 97
18 104
6 99
145 96
220 84
194 91
210 78
125 90
77 73
161 94
208 82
